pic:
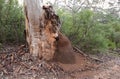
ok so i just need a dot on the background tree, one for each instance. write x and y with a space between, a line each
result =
92 25
11 22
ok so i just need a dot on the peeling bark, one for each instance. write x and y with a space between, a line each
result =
42 26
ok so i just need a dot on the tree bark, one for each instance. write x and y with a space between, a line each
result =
41 29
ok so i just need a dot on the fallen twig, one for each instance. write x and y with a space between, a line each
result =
88 56
25 65
81 52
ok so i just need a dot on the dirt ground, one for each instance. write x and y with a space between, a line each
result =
16 63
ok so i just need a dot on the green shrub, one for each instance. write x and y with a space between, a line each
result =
11 22
0 46
91 32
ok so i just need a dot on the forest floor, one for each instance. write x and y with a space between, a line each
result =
16 63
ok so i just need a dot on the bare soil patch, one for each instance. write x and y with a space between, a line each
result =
16 63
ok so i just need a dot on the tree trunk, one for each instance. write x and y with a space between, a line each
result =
42 26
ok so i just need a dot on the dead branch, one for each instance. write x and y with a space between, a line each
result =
81 52
88 56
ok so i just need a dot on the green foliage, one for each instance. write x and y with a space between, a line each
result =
0 46
11 22
92 32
